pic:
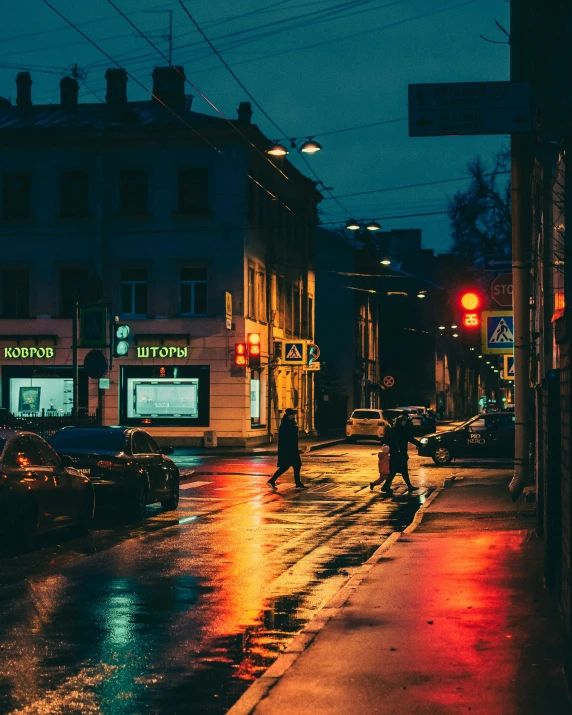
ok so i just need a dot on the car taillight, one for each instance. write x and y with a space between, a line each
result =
3 480
114 466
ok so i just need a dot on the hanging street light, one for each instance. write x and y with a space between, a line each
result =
277 149
310 146
386 261
352 225
422 294
373 226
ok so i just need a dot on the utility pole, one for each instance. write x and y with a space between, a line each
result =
521 154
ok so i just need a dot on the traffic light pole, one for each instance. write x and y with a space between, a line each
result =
521 239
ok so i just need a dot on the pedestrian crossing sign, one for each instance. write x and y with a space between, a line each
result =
498 332
293 352
508 367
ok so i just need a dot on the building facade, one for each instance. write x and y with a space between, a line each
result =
181 225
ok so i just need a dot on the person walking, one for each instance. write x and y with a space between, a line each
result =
398 438
382 466
288 453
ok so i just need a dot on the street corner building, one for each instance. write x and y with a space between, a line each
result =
170 222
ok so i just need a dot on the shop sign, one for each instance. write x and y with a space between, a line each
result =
29 353
162 352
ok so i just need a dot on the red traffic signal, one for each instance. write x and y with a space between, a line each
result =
471 321
470 300
254 349
240 354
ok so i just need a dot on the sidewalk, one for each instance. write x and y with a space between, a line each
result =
449 617
308 444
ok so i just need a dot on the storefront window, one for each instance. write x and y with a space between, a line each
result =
165 395
255 398
162 397
31 395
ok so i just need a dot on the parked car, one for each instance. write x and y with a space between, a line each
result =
486 435
38 493
366 423
127 468
423 420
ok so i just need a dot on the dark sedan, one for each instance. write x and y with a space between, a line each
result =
127 468
486 435
38 493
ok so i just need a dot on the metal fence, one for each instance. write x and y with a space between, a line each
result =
46 424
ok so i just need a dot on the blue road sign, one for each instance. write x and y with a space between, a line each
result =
498 332
294 352
499 263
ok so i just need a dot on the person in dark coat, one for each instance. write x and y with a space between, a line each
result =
288 453
398 438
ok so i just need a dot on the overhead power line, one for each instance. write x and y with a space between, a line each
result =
414 186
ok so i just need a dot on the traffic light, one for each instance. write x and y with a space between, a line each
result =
120 339
240 354
470 303
254 349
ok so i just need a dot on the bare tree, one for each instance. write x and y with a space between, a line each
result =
481 215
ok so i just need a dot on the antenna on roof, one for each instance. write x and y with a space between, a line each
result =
78 73
170 35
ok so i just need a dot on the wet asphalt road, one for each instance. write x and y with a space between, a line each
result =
180 613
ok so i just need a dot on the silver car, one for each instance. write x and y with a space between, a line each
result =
366 423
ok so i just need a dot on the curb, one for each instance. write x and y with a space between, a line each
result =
262 452
264 684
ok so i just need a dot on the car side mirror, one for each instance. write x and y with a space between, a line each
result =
167 450
66 460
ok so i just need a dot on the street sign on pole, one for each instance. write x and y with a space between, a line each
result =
501 290
508 367
497 332
93 326
469 108
294 352
497 263
312 367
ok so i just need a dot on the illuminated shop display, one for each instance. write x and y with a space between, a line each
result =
33 390
165 395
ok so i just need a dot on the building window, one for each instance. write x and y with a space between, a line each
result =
134 292
297 310
194 291
15 293
261 296
194 190
251 292
72 285
288 311
74 194
16 195
133 192
310 317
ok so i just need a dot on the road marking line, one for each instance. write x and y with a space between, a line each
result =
193 485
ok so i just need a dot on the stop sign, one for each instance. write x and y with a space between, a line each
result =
501 290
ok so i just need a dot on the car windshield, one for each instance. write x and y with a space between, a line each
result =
469 422
365 415
88 440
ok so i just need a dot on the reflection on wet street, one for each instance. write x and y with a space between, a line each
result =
181 613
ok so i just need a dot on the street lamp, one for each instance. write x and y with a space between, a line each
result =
422 294
277 149
310 146
386 261
373 226
352 225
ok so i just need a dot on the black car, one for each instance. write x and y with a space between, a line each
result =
38 493
127 468
486 435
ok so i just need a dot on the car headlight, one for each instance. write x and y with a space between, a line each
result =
424 440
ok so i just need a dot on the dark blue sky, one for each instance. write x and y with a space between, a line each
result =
315 66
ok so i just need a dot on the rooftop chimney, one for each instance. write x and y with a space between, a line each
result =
24 89
244 112
169 85
69 89
116 86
